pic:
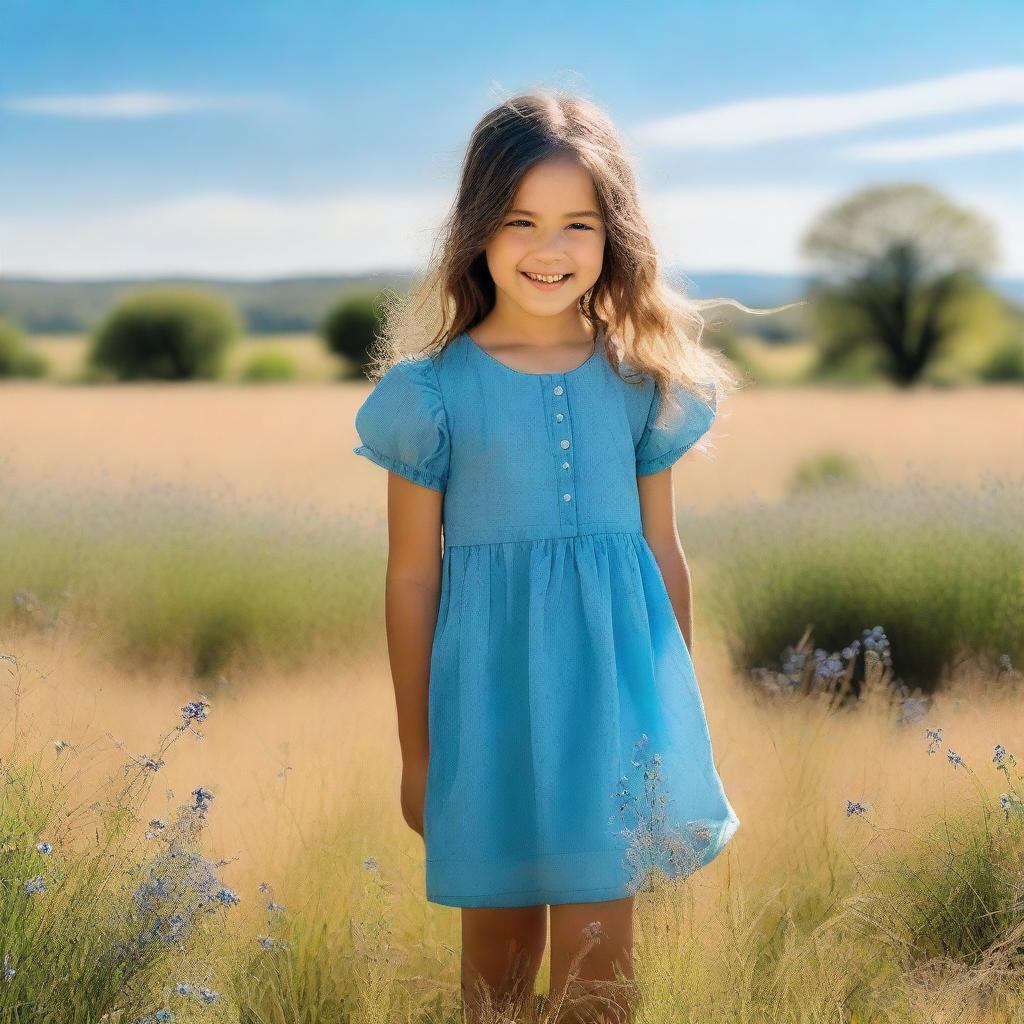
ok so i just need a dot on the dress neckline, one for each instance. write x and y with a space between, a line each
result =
546 373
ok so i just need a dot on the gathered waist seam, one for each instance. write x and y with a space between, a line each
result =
534 540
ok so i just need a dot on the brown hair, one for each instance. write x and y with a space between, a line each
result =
648 325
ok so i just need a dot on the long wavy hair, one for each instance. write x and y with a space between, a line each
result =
649 327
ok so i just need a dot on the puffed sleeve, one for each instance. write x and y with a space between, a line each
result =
402 424
660 446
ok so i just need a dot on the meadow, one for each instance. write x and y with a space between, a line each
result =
200 819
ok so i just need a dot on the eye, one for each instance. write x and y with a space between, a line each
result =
577 224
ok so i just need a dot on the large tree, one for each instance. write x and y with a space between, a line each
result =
890 264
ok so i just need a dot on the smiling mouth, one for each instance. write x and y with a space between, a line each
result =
546 282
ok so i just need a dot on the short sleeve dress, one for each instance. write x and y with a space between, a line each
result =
569 750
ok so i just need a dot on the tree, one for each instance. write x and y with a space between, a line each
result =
891 266
165 334
351 325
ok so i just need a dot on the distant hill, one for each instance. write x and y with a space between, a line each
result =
297 304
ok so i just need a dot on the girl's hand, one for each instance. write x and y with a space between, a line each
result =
414 790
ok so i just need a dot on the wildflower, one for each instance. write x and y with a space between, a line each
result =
194 711
935 738
1008 802
34 885
162 1015
1001 758
265 887
9 971
1004 663
855 807
208 995
203 797
954 758
275 906
183 988
265 941
59 745
226 896
44 847
912 709
371 864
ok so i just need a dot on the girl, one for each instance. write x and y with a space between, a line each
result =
541 656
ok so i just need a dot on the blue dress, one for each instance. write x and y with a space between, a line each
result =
569 751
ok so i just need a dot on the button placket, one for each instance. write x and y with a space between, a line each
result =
563 434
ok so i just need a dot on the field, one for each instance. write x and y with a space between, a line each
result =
813 914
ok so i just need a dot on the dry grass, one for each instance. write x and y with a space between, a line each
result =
306 768
293 443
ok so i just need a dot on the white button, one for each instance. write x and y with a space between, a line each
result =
565 443
565 465
559 418
559 389
566 497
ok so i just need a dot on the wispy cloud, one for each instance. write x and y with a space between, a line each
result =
721 228
950 144
777 118
130 104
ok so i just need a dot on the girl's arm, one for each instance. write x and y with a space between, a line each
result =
411 600
658 513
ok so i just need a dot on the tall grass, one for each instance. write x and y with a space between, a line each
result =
941 567
821 909
210 584
200 582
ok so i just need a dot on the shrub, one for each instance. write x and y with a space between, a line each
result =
1006 362
830 469
350 326
16 358
270 366
165 334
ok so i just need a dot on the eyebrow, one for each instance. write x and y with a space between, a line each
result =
576 213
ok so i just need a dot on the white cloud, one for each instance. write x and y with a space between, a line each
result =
755 228
776 118
999 138
218 233
123 105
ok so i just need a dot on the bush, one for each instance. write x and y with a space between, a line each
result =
1005 363
166 334
270 366
830 469
941 568
16 358
350 327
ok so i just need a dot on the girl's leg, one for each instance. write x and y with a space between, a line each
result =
588 941
502 948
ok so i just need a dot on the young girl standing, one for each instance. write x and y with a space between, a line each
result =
541 658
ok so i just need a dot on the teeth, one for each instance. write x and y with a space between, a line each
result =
546 278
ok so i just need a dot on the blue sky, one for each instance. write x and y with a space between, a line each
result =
254 138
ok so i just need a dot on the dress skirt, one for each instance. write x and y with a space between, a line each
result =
570 759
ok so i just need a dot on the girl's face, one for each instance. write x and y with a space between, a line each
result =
553 228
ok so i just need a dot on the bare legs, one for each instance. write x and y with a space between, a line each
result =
502 948
588 942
